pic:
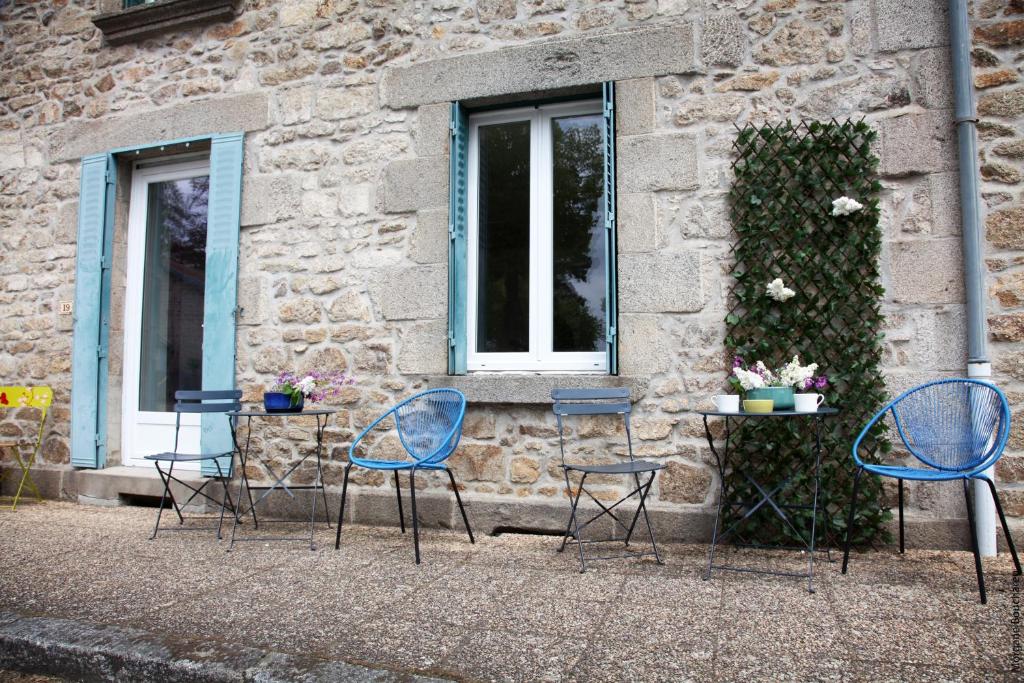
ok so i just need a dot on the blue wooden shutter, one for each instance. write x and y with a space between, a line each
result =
92 312
610 285
221 288
457 258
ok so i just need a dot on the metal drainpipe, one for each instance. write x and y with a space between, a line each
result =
978 364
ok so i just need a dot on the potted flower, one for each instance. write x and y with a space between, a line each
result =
777 385
290 391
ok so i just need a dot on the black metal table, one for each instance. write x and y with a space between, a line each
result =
767 497
279 482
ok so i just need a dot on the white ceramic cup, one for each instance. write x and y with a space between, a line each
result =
807 403
727 403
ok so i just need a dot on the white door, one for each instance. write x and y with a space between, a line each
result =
163 330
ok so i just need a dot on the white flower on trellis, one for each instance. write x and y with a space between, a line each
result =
844 206
779 291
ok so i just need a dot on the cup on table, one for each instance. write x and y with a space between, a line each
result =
807 403
726 403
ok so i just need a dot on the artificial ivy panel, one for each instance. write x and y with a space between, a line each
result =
786 178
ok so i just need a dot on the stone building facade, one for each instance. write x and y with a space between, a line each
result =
343 256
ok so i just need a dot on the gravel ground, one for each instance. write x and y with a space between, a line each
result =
510 608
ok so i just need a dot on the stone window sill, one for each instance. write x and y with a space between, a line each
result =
529 389
144 21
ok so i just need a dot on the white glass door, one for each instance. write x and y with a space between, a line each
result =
163 331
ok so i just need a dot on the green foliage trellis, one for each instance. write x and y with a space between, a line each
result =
781 207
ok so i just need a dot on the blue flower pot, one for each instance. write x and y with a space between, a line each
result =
277 402
782 397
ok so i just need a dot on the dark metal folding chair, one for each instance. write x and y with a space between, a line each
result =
603 402
196 402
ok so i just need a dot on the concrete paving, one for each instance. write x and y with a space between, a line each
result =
85 595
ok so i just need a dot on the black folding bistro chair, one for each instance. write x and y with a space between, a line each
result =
603 402
196 402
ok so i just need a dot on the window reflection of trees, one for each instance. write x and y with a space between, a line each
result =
578 207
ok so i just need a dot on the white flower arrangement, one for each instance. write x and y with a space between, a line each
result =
758 376
844 206
779 291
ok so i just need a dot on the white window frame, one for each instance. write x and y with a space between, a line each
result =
540 357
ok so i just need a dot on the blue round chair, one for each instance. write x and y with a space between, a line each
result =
429 427
956 429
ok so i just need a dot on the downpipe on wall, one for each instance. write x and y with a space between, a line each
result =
978 365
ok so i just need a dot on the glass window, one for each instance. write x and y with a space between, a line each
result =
173 291
536 239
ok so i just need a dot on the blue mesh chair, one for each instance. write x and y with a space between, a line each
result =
956 429
193 402
429 427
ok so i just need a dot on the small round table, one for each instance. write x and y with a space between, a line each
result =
279 480
767 496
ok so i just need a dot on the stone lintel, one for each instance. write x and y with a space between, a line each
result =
652 51
246 112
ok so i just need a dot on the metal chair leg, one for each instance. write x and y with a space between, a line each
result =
849 521
458 499
647 519
901 515
572 510
398 494
341 509
163 499
1006 528
576 523
415 520
974 542
225 501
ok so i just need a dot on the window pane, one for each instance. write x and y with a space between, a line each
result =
578 227
503 271
173 290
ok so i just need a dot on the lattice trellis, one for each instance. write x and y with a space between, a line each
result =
786 176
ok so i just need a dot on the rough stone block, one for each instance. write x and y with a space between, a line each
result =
723 42
660 283
634 106
429 242
945 196
637 226
645 52
910 24
345 103
424 348
412 184
416 293
1005 228
684 483
269 198
933 72
253 304
432 130
657 162
927 272
245 112
917 143
644 349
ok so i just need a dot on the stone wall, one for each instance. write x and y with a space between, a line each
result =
343 256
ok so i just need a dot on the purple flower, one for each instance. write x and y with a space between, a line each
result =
737 362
